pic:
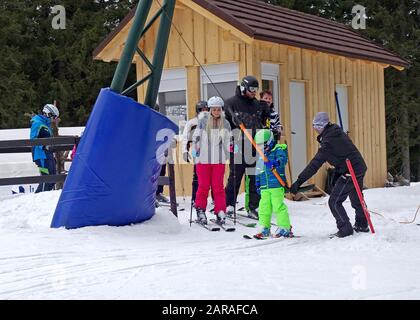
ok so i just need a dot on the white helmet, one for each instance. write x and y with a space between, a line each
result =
215 102
51 111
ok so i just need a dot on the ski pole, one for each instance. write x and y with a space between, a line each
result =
359 193
338 110
192 191
262 155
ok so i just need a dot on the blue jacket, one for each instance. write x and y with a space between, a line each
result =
40 128
265 179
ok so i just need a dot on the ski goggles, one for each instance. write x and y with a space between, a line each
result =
252 89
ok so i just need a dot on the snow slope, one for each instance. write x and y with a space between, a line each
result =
164 258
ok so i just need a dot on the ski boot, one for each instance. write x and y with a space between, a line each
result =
342 234
221 217
264 234
230 211
161 198
253 214
281 232
359 228
201 216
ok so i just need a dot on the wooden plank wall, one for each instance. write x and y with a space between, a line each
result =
320 72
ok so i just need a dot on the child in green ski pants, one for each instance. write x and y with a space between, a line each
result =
270 189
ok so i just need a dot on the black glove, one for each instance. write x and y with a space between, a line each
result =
186 156
295 187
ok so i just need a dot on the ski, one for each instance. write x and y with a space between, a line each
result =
246 236
207 226
238 221
167 205
254 237
248 217
224 226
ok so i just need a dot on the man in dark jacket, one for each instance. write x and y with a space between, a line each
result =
335 148
244 108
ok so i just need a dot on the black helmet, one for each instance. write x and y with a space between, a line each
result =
249 83
200 106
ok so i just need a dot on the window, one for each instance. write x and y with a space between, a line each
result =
270 81
172 97
173 104
223 76
225 89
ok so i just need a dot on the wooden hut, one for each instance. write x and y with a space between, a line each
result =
302 59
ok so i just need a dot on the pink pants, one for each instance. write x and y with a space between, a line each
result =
211 175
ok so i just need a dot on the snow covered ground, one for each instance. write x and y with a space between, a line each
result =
165 258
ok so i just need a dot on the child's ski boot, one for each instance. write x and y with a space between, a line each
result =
264 234
283 233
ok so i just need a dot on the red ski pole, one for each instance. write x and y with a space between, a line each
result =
359 193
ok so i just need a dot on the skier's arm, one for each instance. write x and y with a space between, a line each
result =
229 111
275 124
227 138
197 136
185 135
43 132
313 166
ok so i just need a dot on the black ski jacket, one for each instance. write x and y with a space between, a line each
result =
248 111
335 148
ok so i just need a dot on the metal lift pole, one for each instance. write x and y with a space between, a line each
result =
121 73
160 52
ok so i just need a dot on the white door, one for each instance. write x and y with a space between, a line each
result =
270 73
298 128
343 102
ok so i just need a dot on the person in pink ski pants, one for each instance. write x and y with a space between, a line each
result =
211 141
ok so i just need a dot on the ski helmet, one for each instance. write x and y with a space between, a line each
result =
200 106
215 102
51 111
266 137
249 83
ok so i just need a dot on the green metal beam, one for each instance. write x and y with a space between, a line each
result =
138 83
143 56
150 23
121 73
160 52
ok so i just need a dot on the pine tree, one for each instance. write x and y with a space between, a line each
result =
40 64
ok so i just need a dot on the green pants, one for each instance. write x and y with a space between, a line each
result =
246 193
272 200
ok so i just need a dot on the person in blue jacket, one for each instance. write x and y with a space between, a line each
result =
44 159
269 188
